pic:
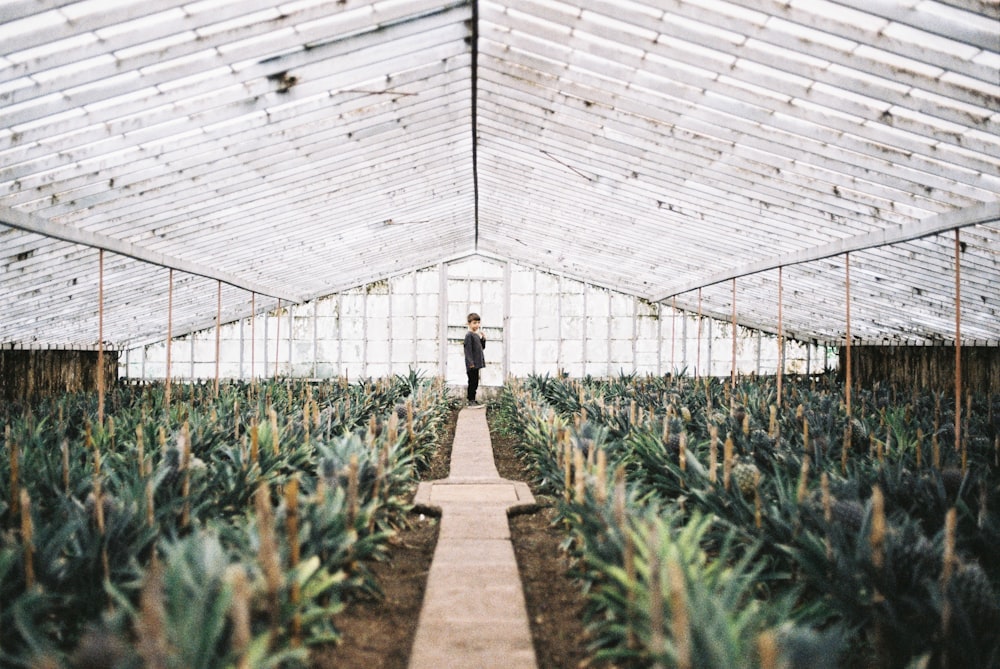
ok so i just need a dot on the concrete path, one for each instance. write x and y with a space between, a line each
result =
473 615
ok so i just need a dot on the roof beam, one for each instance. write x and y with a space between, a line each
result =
31 223
987 212
474 125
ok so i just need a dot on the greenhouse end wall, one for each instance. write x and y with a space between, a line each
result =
536 322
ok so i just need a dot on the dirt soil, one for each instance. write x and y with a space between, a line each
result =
378 633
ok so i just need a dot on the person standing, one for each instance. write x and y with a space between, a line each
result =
475 342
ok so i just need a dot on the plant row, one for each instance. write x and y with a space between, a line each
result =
202 526
719 527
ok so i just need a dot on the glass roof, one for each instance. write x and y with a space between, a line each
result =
654 147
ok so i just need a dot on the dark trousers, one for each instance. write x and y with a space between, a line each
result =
473 384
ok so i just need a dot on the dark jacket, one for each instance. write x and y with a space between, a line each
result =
474 345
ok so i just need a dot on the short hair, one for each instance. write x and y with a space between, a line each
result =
472 317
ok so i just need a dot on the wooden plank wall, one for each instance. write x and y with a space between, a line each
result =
27 375
931 367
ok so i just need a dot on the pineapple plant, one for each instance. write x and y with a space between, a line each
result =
98 506
846 515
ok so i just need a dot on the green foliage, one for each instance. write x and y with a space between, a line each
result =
784 501
176 486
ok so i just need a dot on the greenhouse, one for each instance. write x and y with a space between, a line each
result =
737 269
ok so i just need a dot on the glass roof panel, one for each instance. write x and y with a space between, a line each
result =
88 8
808 34
152 46
39 52
34 23
140 24
832 10
927 40
645 146
724 8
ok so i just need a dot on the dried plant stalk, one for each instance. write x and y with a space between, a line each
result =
877 535
15 472
186 467
727 461
713 453
150 627
64 447
935 446
292 533
579 477
140 447
824 486
948 566
27 539
268 556
292 520
680 627
803 488
848 437
567 467
949 559
392 428
919 446
767 650
602 476
236 419
410 437
352 488
150 505
275 442
380 465
239 615
254 443
682 451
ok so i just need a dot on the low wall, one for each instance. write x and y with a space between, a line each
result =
31 374
930 367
